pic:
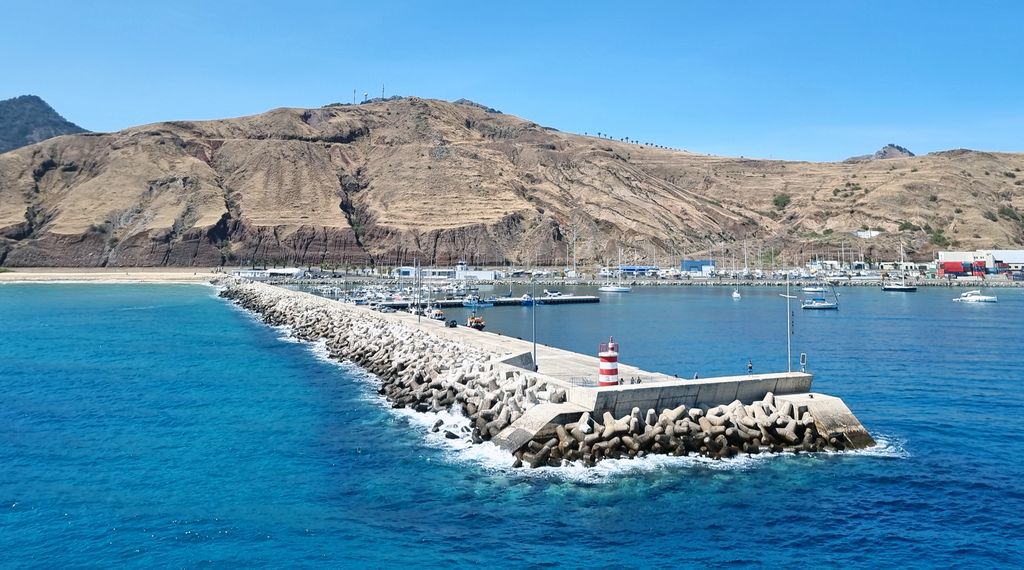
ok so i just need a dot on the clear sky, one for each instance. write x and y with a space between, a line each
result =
815 80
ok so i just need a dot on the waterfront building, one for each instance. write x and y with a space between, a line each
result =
270 273
979 262
461 271
698 267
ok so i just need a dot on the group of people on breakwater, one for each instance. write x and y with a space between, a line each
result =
428 373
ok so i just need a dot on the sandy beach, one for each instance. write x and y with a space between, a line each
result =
108 274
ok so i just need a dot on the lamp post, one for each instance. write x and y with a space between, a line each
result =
534 311
789 328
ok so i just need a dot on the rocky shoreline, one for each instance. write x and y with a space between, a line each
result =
427 373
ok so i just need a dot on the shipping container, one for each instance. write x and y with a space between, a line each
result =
953 267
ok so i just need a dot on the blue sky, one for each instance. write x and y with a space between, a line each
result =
794 80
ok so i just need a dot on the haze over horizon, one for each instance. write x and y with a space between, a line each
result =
810 82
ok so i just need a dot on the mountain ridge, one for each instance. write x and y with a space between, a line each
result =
406 178
27 119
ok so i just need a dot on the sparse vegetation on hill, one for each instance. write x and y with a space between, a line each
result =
402 179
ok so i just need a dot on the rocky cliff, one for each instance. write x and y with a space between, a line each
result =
390 181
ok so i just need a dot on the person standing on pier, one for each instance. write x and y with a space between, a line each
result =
750 366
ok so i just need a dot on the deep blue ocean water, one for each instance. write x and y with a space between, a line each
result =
156 425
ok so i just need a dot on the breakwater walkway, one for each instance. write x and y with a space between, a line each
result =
556 414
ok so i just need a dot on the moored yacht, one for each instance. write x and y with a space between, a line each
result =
975 296
899 286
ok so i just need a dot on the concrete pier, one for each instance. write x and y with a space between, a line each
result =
558 413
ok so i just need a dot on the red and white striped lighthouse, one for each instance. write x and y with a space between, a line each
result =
608 354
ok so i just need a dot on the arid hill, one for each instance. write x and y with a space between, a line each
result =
390 181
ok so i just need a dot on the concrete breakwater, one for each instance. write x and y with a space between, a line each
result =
542 420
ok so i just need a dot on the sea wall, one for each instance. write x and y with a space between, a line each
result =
428 373
417 369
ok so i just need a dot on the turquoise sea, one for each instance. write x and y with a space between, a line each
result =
157 425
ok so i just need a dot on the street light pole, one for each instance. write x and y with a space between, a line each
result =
534 311
789 328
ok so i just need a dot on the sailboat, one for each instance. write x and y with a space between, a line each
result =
822 303
619 287
900 286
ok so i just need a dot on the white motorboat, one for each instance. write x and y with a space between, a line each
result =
975 296
736 294
814 289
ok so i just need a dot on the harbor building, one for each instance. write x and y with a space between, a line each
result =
639 270
981 262
460 272
698 267
270 273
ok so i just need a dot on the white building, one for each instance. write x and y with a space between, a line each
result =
424 272
459 272
270 273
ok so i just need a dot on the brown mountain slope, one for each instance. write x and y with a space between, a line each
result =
393 180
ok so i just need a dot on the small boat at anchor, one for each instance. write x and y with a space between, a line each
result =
476 322
975 296
736 294
899 287
618 287
821 303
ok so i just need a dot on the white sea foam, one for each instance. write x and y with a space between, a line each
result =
887 447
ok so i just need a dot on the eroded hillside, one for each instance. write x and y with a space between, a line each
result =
411 178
